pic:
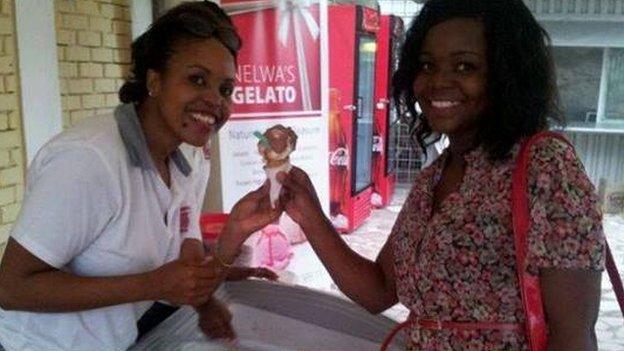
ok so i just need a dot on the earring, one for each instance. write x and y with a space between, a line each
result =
150 93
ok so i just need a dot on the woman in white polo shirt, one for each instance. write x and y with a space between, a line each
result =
109 222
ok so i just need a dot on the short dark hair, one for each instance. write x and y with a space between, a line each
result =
521 82
187 21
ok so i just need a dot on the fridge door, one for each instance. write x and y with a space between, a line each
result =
363 127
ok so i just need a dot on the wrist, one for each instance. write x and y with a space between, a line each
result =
223 261
231 232
225 253
153 286
229 242
314 221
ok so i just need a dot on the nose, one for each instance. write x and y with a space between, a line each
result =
211 94
442 78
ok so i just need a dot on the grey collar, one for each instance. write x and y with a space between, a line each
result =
134 141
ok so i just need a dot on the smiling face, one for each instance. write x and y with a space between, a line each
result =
451 83
193 94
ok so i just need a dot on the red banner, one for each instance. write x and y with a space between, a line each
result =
278 66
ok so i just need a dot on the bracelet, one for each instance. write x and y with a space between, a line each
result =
216 256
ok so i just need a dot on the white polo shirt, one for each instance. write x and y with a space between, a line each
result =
96 206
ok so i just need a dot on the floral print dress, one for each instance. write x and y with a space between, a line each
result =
459 265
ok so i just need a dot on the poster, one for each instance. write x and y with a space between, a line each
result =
278 81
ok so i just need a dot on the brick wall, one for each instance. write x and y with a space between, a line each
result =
93 39
11 140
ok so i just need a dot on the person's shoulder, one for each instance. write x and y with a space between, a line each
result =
88 142
98 133
556 159
96 130
71 156
551 147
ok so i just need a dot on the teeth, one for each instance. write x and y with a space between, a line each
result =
444 104
206 119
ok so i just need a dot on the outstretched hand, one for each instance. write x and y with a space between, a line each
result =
253 212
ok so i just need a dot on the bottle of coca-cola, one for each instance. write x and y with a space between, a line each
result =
338 156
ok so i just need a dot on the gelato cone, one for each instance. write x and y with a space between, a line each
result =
276 186
275 145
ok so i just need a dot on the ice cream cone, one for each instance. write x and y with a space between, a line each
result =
275 185
275 146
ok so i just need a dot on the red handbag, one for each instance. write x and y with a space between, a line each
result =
535 322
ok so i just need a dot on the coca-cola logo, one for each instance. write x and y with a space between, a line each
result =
339 157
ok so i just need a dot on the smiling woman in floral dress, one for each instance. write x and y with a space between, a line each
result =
482 73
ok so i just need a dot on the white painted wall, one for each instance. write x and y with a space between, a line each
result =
406 9
142 15
38 73
588 34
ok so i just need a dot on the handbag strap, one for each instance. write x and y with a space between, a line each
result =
529 285
519 195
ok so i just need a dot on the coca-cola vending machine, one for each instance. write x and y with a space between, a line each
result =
389 40
352 47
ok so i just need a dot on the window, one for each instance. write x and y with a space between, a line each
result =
578 77
614 94
591 85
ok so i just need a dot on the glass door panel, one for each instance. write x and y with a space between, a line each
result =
364 113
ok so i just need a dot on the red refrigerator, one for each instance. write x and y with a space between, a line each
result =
352 48
389 41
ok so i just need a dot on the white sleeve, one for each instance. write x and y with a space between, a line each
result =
67 204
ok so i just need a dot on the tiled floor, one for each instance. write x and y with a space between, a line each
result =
306 269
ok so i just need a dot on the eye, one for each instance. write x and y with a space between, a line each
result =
464 67
198 80
226 89
425 66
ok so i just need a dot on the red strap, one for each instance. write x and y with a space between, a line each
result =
530 292
393 332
